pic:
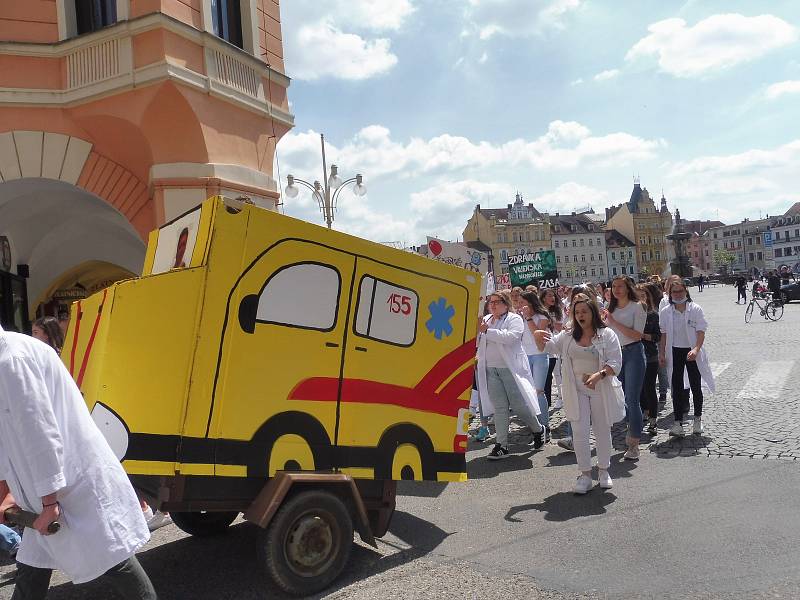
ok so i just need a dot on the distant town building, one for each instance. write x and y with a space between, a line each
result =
579 244
507 231
786 239
620 254
646 225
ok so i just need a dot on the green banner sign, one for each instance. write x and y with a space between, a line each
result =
533 268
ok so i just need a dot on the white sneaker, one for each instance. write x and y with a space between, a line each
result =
558 403
158 520
148 513
697 428
677 430
605 480
632 453
565 443
583 484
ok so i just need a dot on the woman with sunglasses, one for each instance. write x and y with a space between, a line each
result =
627 318
683 333
591 357
504 374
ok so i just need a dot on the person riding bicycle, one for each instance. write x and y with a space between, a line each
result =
774 285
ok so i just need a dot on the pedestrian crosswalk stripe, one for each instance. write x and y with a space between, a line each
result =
718 369
768 380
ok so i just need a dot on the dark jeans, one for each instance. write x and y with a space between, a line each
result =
742 294
548 383
128 578
631 376
680 396
649 399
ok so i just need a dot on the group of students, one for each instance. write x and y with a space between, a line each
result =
606 345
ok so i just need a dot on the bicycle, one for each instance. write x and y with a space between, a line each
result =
769 307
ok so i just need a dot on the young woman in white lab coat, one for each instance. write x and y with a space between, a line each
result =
683 333
505 382
590 359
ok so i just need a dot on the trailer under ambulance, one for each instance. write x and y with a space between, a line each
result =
267 366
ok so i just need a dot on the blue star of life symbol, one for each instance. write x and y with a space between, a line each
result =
439 322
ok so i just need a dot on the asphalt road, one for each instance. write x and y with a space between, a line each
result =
712 516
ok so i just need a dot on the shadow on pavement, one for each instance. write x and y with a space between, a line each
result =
421 489
564 506
225 567
483 468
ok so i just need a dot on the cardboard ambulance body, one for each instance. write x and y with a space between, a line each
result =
255 343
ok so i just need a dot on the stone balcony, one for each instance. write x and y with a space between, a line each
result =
136 53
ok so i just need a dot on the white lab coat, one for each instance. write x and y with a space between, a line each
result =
695 321
49 443
509 339
609 353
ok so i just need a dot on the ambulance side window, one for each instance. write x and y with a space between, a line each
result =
386 312
304 295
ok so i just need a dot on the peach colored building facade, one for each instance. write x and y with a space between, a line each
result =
117 116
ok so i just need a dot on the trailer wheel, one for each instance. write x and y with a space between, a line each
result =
203 524
307 543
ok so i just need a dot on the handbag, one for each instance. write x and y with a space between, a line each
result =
616 410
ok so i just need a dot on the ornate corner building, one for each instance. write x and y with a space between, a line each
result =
647 226
117 116
501 232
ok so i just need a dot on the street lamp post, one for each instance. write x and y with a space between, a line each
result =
327 195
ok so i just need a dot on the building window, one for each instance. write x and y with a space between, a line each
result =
760 255
574 243
644 256
558 259
706 252
92 15
752 258
226 16
613 255
593 272
598 241
740 243
778 252
591 242
566 259
658 254
583 258
582 241
574 258
556 243
630 270
601 271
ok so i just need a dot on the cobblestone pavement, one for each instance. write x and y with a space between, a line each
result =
754 411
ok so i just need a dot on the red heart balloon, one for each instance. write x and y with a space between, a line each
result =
435 247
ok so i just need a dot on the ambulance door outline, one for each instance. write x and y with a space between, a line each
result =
402 439
254 313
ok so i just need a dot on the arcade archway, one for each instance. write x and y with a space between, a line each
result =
61 238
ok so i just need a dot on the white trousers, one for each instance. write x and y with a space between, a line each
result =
591 412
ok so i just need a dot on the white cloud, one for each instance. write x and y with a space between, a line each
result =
311 50
517 18
735 185
379 15
339 42
570 196
776 90
484 57
606 75
577 81
715 43
373 152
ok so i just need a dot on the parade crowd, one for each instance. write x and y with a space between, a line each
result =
612 350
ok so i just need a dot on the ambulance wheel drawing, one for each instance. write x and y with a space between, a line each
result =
307 543
204 524
405 452
290 441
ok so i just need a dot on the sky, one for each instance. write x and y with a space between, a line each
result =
445 104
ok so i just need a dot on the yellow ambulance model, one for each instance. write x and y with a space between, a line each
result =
266 365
